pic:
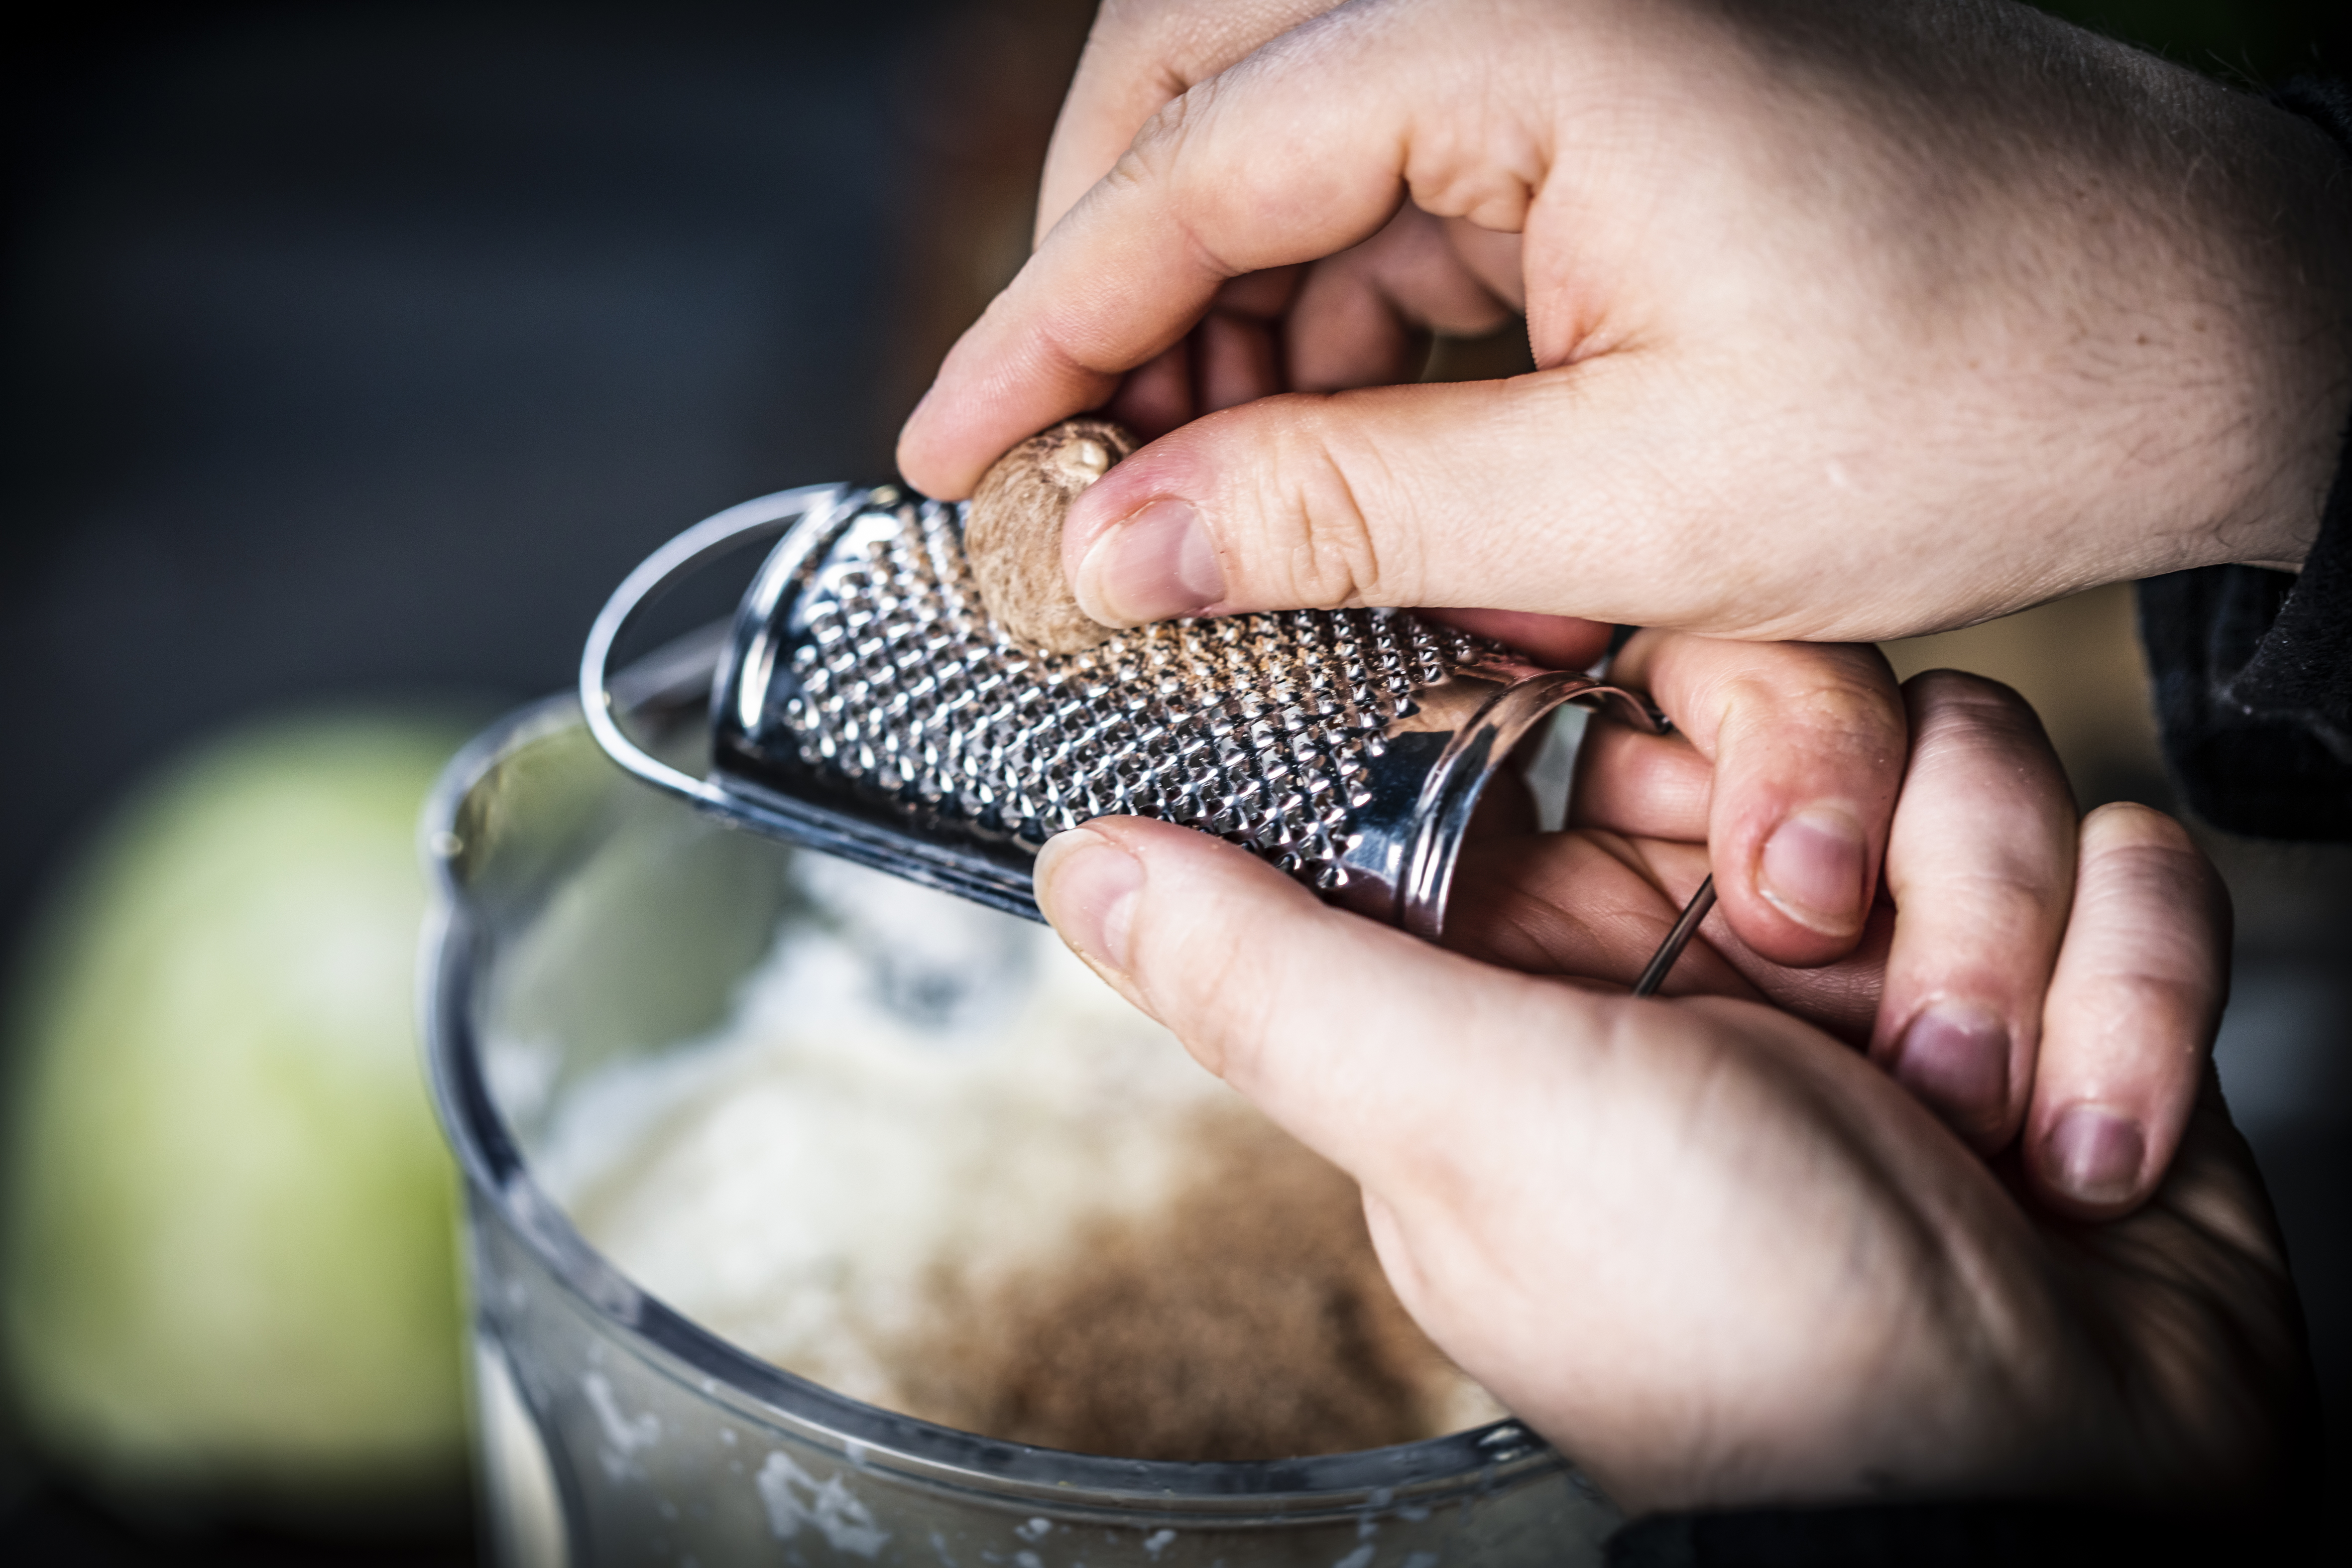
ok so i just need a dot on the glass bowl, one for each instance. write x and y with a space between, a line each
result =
582 918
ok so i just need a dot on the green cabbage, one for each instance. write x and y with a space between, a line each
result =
230 1267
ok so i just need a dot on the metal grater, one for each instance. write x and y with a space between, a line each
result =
866 705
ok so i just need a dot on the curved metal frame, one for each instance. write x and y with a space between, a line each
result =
764 517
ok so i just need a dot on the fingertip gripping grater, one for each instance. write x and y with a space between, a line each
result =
866 705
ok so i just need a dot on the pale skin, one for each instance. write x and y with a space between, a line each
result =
1713 1253
1850 323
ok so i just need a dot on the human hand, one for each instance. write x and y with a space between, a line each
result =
1806 286
1780 752
1712 1254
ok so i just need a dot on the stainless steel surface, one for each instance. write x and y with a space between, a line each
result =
643 587
869 706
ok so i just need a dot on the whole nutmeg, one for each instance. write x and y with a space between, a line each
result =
1013 534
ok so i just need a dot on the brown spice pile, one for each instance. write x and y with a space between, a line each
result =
1247 1318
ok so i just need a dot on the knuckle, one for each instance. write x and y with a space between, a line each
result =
1957 698
1159 141
1164 154
1146 159
1831 704
1162 139
2152 914
2015 899
2144 1010
1319 548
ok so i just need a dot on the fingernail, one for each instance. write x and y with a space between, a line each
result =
1153 565
1955 1056
1811 869
1087 886
2097 1154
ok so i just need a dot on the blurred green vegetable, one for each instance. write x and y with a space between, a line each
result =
230 1263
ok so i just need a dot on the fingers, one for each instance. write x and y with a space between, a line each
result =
1807 744
2095 1052
1139 55
1350 1035
1590 905
1232 356
1142 254
1575 490
1358 318
2129 1021
1362 314
1980 863
1644 1224
1235 361
1363 317
1157 397
1649 787
1400 495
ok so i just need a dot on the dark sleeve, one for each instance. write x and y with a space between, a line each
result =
2253 670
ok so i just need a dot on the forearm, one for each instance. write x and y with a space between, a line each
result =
2149 273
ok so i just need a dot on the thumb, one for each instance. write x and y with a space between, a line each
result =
1526 494
1361 1042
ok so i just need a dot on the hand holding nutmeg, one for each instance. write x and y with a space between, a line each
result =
2185 345
1013 534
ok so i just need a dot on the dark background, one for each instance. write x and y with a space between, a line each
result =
357 350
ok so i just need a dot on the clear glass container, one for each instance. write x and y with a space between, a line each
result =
583 919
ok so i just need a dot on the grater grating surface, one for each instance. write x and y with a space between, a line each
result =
1262 729
865 704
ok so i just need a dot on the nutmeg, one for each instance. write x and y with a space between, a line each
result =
1013 534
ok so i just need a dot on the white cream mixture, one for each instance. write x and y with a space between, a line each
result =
915 1100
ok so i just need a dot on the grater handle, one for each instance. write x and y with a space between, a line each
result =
1662 962
762 518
